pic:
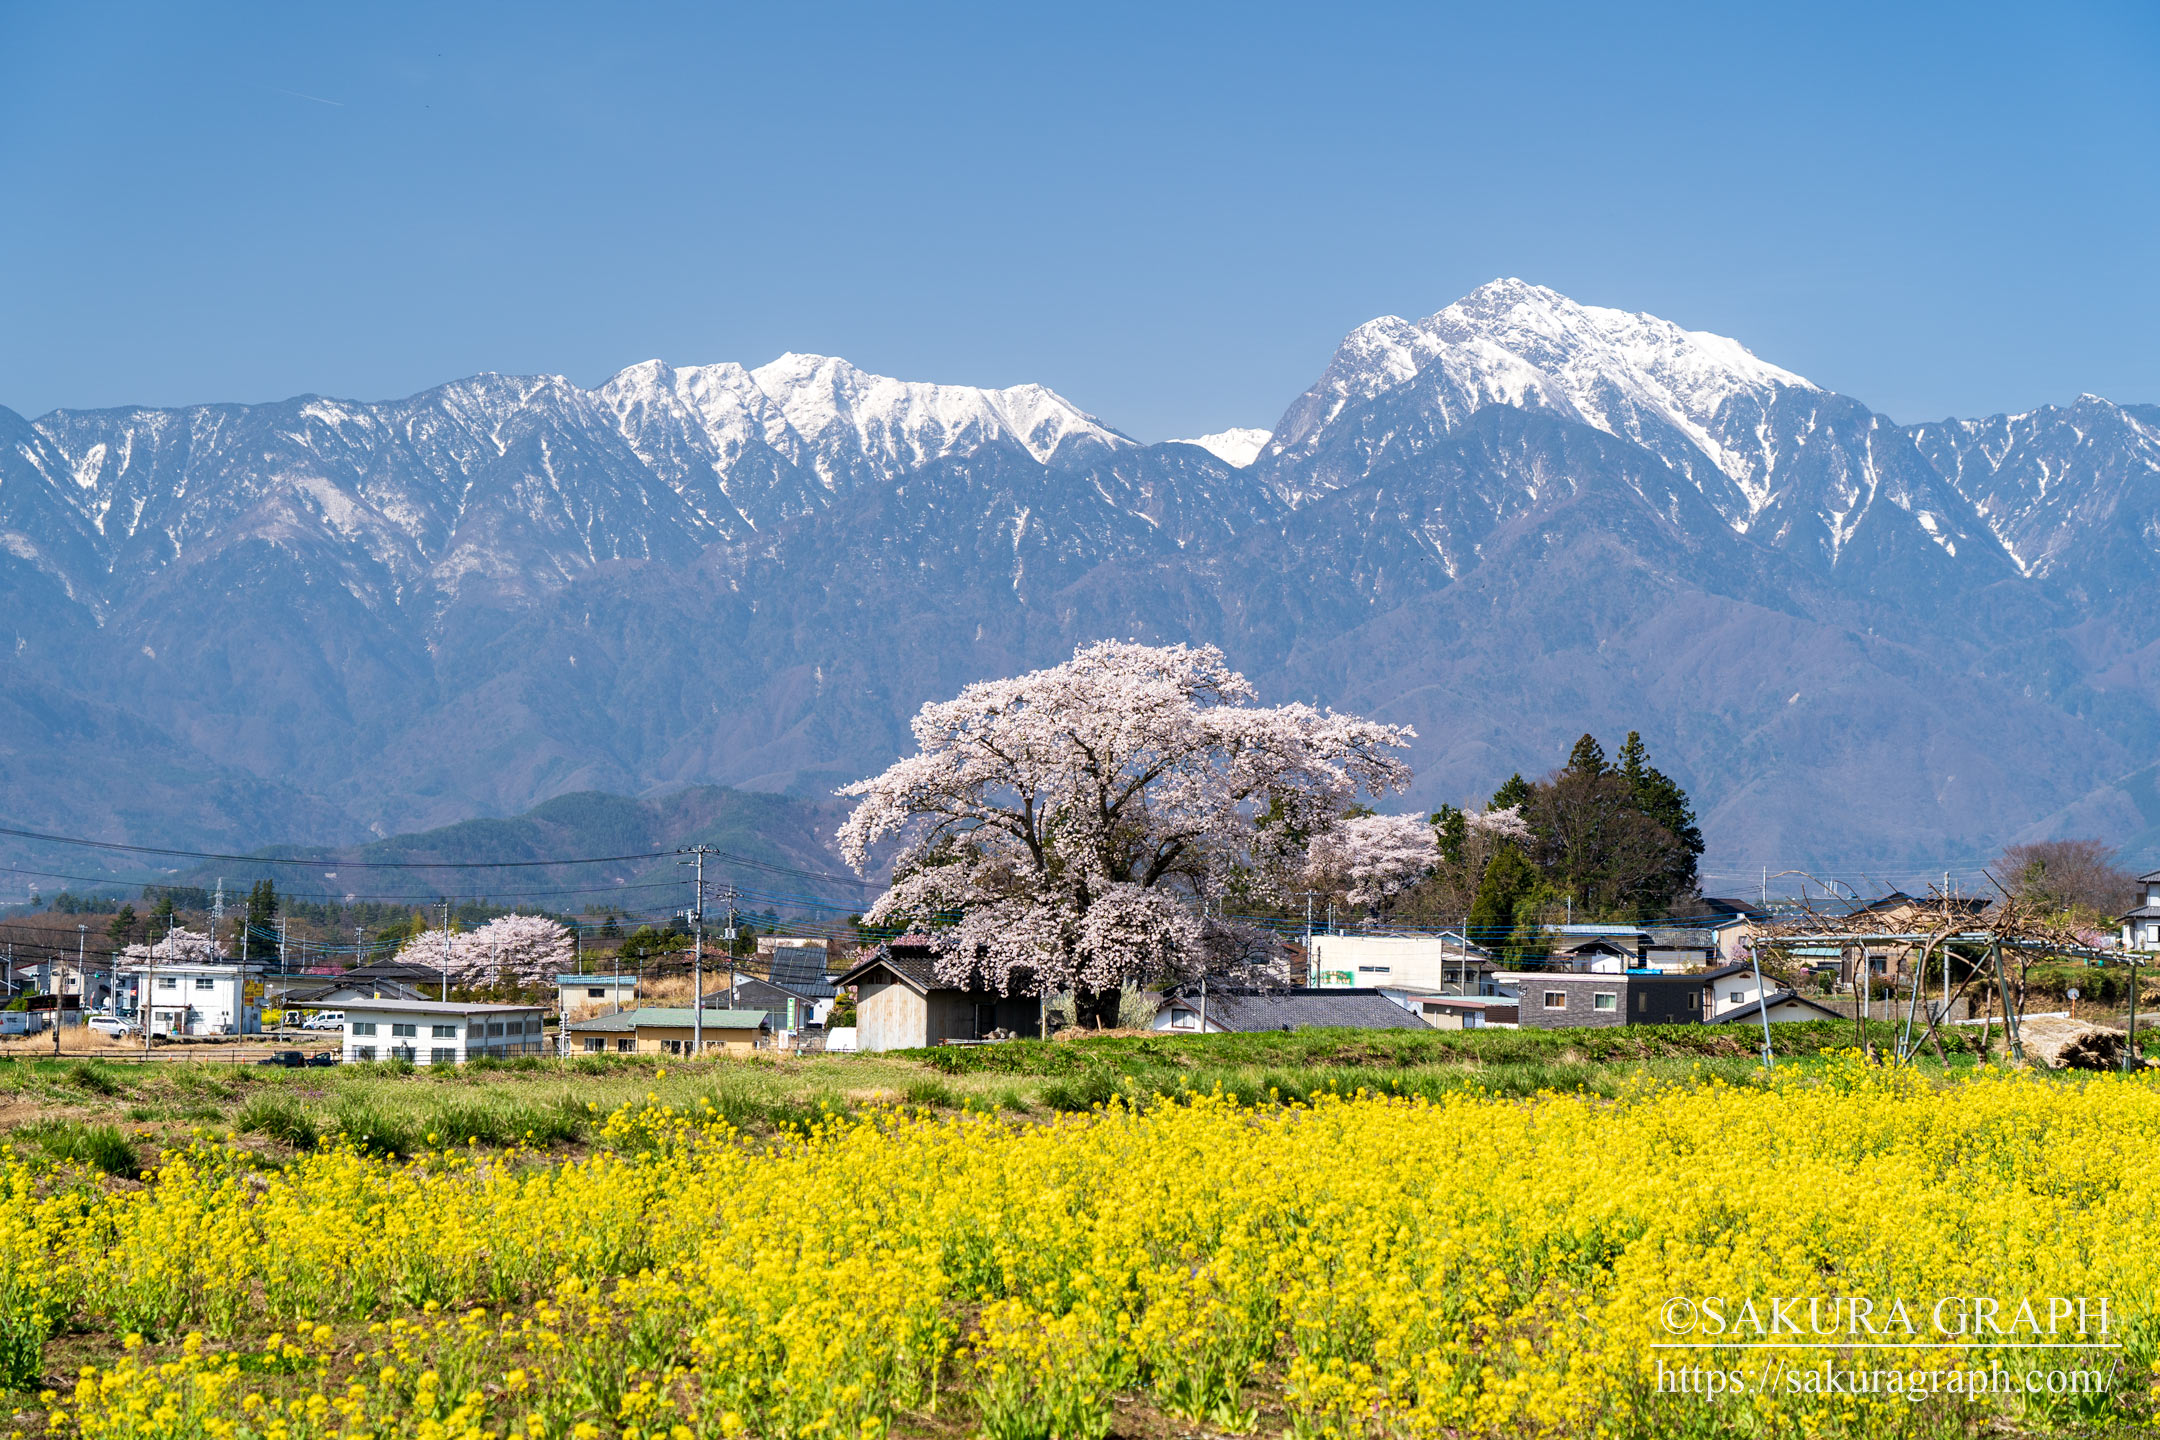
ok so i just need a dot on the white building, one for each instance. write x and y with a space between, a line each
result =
197 997
1422 964
435 1032
1730 988
2141 927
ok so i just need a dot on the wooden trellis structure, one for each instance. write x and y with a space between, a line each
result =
1942 926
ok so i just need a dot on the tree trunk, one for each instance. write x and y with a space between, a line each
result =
1096 1009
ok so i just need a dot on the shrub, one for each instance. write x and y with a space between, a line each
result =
99 1147
278 1117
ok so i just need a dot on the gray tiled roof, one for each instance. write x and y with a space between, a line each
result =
801 968
1334 1009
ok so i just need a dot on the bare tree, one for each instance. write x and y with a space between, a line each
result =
2068 875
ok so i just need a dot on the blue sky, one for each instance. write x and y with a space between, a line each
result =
1168 213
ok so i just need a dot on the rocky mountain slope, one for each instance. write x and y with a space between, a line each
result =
1860 644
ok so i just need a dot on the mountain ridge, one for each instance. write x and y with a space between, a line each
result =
502 588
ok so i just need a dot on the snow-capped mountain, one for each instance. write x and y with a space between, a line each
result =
1511 521
1237 446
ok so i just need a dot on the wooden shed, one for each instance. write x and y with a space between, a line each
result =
901 1005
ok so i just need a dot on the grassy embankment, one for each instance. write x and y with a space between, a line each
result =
116 1116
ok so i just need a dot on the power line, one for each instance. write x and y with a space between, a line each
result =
321 862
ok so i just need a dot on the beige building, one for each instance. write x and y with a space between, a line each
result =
668 1030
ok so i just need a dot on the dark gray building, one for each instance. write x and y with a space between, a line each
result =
1559 999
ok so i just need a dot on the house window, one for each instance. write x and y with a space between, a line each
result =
364 1027
626 1046
495 1028
1734 997
1556 999
403 1052
363 1052
594 1045
443 1055
1604 1000
204 982
166 982
445 1032
597 993
1183 1019
1375 970
1694 1001
400 1028
1642 1002
1878 964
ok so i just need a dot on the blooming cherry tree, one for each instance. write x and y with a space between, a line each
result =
188 947
511 947
1373 857
1064 821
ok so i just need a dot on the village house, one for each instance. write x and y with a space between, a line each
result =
1596 949
304 993
1439 964
1679 947
2141 926
900 1004
796 991
1784 1005
1887 962
1457 1012
441 1032
580 997
188 997
1306 1009
1560 999
1731 923
668 1030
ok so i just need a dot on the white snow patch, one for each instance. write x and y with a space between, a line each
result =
1238 446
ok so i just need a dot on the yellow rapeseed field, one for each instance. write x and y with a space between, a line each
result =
1868 1253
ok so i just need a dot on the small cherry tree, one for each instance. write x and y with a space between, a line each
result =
510 947
190 947
1059 827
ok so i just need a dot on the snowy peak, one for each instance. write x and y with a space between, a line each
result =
907 423
1688 395
822 411
1238 446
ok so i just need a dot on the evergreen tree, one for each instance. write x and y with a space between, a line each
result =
1665 802
1512 792
161 916
122 928
1454 828
261 921
1508 879
1587 759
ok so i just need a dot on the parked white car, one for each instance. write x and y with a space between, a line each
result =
324 1020
111 1025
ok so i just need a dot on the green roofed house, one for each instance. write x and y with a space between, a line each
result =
667 1030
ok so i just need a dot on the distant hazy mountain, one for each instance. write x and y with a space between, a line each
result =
1858 643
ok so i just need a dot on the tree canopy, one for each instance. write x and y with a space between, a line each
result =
1058 826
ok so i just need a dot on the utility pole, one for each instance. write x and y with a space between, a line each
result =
696 916
82 972
446 949
217 916
1312 973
